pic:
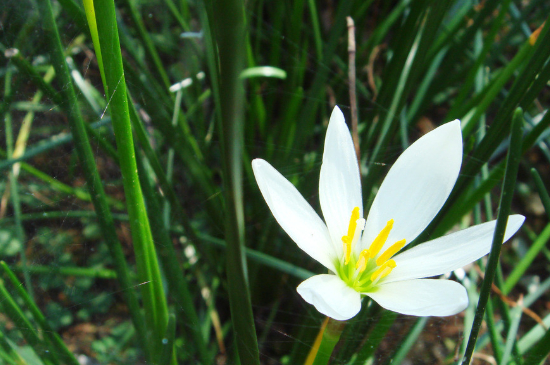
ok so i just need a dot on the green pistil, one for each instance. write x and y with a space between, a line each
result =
360 282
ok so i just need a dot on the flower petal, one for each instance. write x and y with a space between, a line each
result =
331 296
450 252
417 185
339 184
422 297
294 214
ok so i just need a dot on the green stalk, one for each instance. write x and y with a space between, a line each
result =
49 332
543 193
540 351
512 164
229 25
521 267
11 356
167 354
15 313
408 342
375 337
331 334
14 188
174 273
91 174
156 311
150 49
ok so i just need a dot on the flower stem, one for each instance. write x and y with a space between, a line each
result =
328 337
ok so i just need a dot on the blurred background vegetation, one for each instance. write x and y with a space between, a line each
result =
114 245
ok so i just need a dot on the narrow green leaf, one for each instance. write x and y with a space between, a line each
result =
89 168
543 193
331 335
55 340
512 164
156 311
167 354
229 25
540 351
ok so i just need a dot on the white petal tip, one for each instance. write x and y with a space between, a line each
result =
257 162
330 296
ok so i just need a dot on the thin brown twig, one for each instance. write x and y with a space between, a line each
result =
370 70
352 95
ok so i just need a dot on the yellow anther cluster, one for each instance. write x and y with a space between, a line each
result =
370 265
348 240
377 266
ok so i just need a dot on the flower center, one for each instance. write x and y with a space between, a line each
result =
362 273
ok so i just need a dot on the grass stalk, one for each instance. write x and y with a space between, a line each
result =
15 313
229 25
156 311
91 174
175 276
541 350
55 340
512 164
331 331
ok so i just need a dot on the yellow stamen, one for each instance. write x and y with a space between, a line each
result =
392 250
383 270
347 240
361 264
379 241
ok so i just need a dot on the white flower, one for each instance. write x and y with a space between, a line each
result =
359 253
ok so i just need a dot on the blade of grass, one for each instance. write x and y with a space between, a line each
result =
57 343
526 260
167 354
543 193
29 333
332 330
408 342
91 174
512 164
174 273
16 204
515 316
156 311
9 354
540 351
376 336
229 23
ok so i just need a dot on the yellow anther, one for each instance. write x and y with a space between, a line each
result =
347 249
392 250
353 222
361 264
347 240
379 241
383 270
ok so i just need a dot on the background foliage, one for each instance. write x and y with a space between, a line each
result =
128 131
